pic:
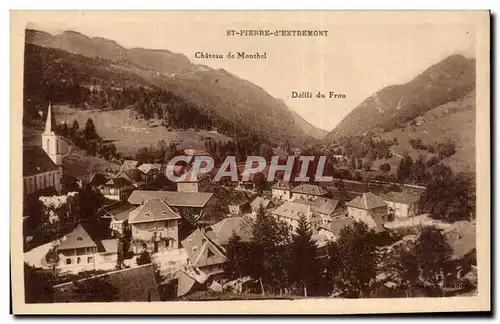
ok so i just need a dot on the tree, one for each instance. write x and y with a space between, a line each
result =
432 252
385 168
260 182
420 170
75 128
238 258
368 165
269 250
89 132
353 260
303 266
405 169
96 289
144 258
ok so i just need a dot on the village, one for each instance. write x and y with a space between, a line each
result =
169 242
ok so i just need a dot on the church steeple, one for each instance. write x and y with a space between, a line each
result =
48 122
50 142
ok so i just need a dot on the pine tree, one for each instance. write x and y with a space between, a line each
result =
304 267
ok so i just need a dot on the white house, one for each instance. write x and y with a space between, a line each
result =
281 190
307 192
403 205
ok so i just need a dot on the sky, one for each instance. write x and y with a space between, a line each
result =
361 54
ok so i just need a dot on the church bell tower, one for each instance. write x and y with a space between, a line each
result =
50 142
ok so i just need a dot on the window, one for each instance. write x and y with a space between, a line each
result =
48 144
35 183
78 260
54 178
90 259
68 261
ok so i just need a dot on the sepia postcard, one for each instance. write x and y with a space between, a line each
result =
250 162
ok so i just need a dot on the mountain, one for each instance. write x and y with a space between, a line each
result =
307 127
393 106
71 60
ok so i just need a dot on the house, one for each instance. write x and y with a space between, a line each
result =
117 213
194 182
156 225
202 204
222 231
325 208
78 251
204 253
137 284
403 205
42 166
149 172
134 175
281 190
370 209
290 212
239 205
332 229
261 202
307 192
118 188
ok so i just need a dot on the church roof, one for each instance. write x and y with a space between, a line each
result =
36 160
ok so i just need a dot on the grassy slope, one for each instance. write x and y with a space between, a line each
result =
129 134
453 120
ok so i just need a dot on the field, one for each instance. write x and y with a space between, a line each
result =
129 133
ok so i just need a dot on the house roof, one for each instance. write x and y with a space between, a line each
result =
132 284
98 178
238 200
281 185
153 209
337 225
260 201
147 167
202 251
309 189
291 209
110 245
224 229
401 197
130 164
367 201
118 210
172 198
78 238
133 174
118 182
321 205
35 161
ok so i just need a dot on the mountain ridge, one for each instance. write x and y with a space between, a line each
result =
391 107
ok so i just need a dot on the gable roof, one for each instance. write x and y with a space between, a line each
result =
224 229
309 189
36 160
260 201
337 225
401 197
172 198
202 251
98 178
78 238
291 209
132 284
147 167
110 245
321 205
118 210
118 182
133 175
367 201
153 209
282 185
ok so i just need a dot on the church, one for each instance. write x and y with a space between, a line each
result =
42 166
